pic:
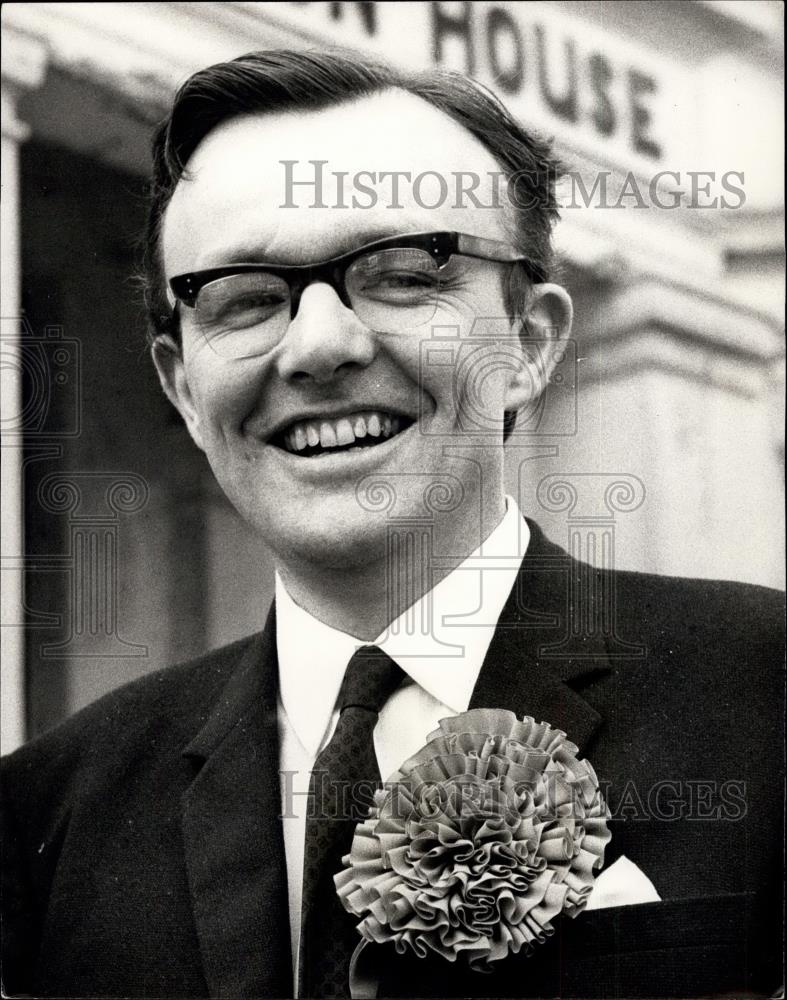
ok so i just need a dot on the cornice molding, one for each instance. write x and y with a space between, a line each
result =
648 326
705 317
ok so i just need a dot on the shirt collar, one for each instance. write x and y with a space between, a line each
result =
440 641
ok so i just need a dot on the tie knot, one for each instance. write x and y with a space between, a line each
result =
370 678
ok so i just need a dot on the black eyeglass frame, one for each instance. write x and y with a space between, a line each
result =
441 246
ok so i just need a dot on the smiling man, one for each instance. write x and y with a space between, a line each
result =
181 836
298 383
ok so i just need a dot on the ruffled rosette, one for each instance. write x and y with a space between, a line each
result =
478 842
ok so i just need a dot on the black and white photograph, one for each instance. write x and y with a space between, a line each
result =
393 537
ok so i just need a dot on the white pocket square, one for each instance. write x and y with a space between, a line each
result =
622 884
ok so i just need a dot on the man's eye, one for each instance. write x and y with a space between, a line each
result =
254 301
400 283
244 310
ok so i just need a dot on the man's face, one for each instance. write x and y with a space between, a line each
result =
329 369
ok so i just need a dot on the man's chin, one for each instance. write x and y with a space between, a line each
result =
332 533
335 549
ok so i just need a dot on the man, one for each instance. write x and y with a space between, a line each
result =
171 839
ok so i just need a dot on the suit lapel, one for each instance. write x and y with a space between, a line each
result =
232 834
519 672
522 673
231 812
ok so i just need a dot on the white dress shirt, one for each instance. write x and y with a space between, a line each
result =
440 643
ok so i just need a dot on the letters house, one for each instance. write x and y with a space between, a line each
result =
664 416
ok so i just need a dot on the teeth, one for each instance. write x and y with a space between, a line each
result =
344 432
340 432
327 435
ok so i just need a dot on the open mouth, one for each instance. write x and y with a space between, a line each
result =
319 437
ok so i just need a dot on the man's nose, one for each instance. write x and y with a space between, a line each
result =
325 339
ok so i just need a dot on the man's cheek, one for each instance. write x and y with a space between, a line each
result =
223 409
477 386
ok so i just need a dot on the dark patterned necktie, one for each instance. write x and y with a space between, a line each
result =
343 780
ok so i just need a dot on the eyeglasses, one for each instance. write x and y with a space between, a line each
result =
392 285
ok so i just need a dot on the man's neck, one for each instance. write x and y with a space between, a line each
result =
363 599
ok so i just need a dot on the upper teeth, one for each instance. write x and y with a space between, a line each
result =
341 431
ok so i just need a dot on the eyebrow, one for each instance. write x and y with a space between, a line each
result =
254 253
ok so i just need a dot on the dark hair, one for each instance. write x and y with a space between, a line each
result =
283 80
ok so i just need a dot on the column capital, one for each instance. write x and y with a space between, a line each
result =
25 59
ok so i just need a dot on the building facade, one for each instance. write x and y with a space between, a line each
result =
661 446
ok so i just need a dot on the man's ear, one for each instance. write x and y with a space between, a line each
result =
546 324
168 359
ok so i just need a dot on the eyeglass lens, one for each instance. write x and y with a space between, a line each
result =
247 314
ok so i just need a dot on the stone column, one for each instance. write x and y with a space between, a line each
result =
676 389
24 62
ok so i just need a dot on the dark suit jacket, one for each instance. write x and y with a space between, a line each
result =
144 855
